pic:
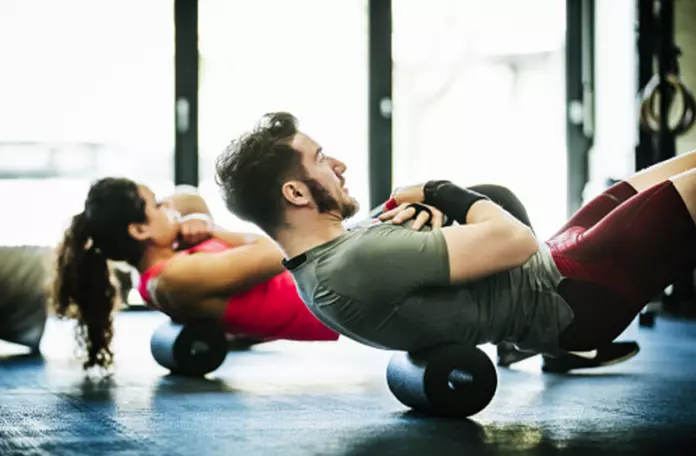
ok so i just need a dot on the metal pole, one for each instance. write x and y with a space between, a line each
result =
666 63
579 69
186 92
645 149
380 101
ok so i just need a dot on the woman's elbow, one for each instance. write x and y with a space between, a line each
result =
269 248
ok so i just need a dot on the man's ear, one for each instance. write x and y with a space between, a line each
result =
296 193
138 231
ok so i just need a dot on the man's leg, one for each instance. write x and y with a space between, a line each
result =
507 354
614 268
597 208
685 184
505 198
659 172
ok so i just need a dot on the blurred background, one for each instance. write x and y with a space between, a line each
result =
497 91
89 90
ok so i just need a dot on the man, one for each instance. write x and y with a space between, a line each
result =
486 280
191 204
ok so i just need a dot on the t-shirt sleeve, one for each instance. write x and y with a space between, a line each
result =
387 262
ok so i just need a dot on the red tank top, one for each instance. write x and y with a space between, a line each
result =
269 310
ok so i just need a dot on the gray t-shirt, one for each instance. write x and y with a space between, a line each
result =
388 286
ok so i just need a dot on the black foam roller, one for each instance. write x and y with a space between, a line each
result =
193 349
452 380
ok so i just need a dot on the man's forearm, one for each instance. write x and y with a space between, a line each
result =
466 206
503 242
455 202
480 249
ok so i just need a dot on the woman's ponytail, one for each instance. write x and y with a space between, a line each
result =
83 290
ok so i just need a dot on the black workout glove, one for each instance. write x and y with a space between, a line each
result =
446 221
450 199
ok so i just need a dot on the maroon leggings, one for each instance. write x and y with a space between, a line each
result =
617 253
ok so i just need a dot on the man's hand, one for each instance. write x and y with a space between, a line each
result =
194 229
410 194
406 212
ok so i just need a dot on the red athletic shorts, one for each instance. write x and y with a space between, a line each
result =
617 253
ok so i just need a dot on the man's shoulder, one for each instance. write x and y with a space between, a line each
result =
357 242
380 230
350 260
354 240
372 237
324 280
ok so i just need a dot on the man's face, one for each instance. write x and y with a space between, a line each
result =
326 181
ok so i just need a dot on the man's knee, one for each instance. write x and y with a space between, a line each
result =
505 198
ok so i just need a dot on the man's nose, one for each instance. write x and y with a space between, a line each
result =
338 166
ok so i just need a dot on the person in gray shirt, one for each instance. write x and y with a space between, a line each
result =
506 353
400 286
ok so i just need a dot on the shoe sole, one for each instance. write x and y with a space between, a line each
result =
621 359
604 364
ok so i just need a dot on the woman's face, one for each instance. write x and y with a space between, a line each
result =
162 225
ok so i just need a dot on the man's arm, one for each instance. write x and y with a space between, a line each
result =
388 262
489 241
492 241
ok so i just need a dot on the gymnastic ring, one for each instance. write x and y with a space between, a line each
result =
649 116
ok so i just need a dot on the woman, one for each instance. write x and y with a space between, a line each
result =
235 278
190 269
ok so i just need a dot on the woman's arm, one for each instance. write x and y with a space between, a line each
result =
190 280
186 200
234 239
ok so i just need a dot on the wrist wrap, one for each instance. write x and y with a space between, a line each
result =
451 199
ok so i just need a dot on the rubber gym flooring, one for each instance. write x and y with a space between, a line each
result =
287 398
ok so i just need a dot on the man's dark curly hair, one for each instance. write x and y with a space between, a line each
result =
251 171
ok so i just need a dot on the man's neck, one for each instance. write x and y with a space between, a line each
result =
300 238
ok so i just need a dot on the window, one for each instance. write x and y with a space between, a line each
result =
479 97
87 91
308 57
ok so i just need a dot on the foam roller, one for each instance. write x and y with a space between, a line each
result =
192 349
453 380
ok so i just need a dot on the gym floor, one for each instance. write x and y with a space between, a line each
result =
324 399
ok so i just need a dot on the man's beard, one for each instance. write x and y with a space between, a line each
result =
327 203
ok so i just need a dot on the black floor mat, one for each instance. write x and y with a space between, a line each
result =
286 398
